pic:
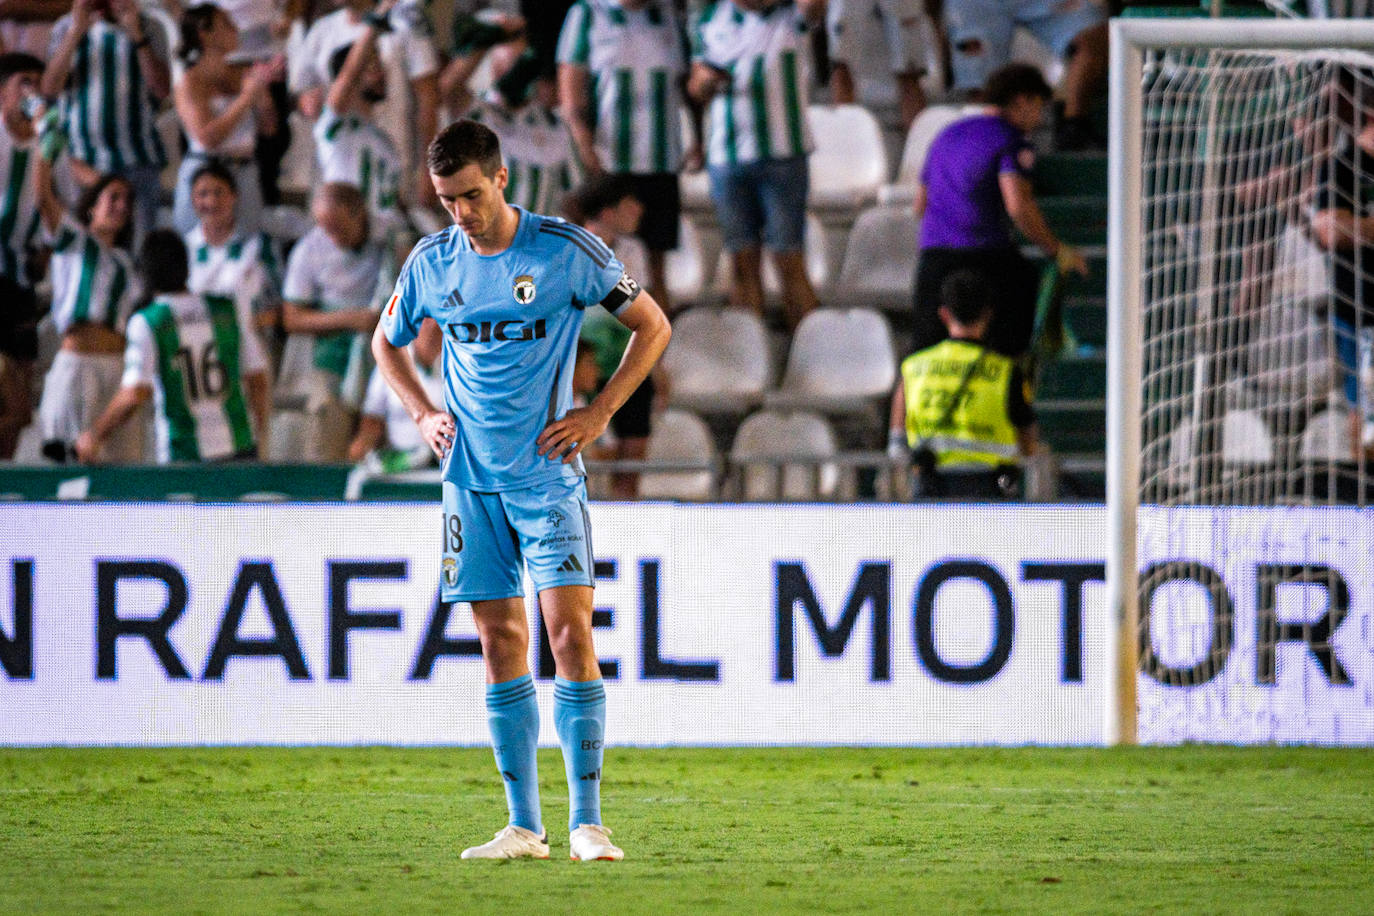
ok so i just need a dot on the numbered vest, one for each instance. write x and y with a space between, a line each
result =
198 348
978 432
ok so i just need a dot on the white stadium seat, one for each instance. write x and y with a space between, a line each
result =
689 267
1327 437
879 261
774 435
679 435
841 361
718 360
849 162
1246 442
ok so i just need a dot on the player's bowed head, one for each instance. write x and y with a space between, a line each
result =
466 170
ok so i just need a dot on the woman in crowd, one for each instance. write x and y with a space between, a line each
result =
222 107
93 294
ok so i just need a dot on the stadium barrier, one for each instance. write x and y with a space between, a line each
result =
169 624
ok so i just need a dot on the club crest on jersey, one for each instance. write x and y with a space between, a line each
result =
524 289
450 572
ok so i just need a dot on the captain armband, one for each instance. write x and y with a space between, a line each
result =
622 293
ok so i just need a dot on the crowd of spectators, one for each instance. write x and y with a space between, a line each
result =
601 106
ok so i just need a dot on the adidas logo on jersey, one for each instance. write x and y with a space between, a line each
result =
571 564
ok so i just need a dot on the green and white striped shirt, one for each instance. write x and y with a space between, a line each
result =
195 351
537 150
761 113
353 150
246 266
636 60
18 206
91 282
107 110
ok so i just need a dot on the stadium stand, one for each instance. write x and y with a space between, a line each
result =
680 437
842 361
719 361
766 457
876 270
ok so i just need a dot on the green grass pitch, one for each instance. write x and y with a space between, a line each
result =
378 830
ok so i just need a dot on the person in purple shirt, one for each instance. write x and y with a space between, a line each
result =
974 189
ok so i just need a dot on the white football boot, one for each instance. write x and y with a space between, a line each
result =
592 841
512 842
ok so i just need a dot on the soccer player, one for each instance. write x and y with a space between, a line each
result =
509 288
197 356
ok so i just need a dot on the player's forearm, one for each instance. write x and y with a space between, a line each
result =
399 371
646 345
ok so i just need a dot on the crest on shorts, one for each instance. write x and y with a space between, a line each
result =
450 572
524 289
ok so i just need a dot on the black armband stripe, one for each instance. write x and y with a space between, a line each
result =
625 290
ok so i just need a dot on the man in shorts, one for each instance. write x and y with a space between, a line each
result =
509 289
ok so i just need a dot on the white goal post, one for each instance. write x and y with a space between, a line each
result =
1174 427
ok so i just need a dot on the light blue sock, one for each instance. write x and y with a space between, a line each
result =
513 717
579 712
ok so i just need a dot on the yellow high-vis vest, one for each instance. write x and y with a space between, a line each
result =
979 433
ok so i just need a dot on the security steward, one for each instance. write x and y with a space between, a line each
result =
961 412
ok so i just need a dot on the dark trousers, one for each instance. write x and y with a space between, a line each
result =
1015 282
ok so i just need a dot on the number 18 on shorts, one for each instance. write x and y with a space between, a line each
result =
489 537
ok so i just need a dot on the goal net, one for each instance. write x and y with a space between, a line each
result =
1241 388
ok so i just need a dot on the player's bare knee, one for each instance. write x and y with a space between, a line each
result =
570 639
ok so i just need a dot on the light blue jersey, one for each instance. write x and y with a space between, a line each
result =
510 323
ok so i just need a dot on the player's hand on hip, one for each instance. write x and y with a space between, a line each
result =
438 429
566 438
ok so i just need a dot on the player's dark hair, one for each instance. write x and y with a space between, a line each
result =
461 144
86 203
18 62
967 295
213 168
596 195
162 262
1014 80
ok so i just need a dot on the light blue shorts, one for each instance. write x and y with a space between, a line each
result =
488 535
980 31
